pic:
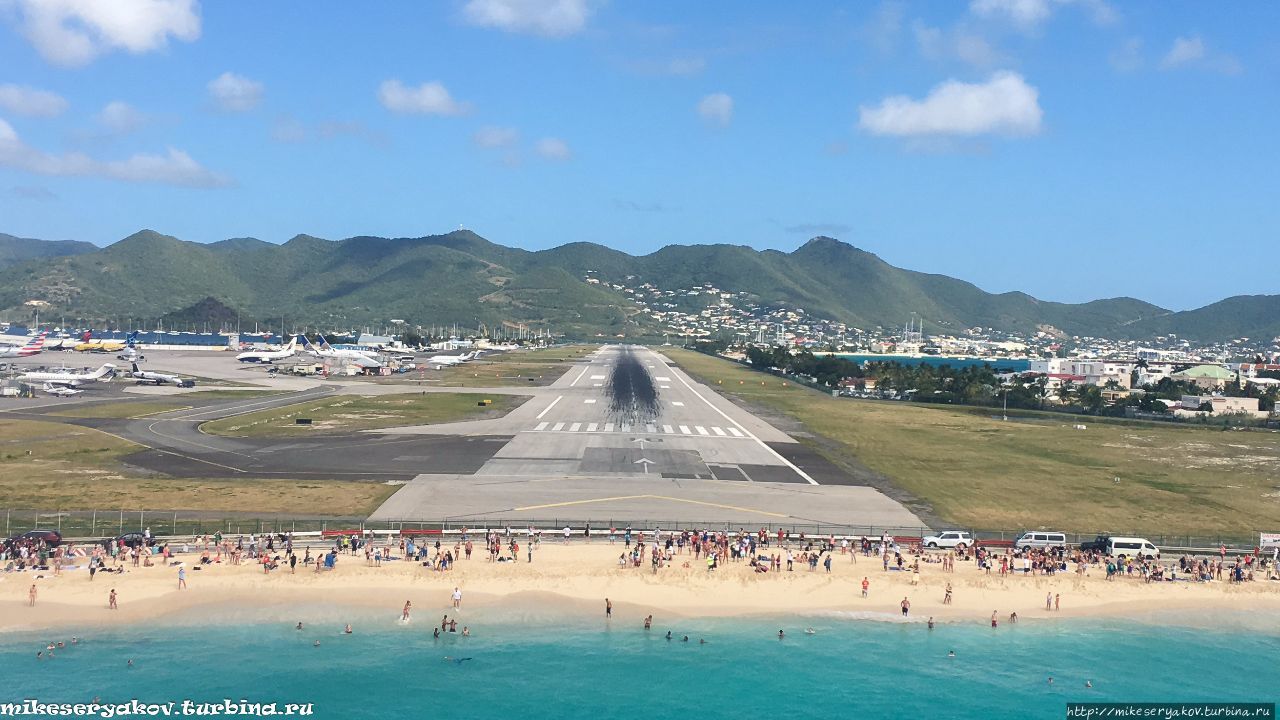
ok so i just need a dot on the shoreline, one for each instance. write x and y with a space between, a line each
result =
568 583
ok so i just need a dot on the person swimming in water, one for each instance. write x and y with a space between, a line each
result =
780 635
315 644
456 661
686 639
951 653
299 626
347 630
810 631
668 634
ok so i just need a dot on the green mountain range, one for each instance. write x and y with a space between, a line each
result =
463 278
14 250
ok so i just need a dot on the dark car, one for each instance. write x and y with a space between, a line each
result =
51 538
1098 544
130 539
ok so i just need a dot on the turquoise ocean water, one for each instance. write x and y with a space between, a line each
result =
536 667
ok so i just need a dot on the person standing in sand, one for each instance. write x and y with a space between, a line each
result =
404 614
457 598
993 618
31 596
608 608
111 600
866 585
1048 601
906 606
1057 601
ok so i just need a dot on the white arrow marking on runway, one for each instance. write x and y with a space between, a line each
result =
645 462
641 441
548 408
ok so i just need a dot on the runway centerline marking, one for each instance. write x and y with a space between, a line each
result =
575 380
548 408
763 444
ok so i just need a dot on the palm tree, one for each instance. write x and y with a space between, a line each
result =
1066 389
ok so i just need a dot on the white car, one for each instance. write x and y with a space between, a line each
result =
949 539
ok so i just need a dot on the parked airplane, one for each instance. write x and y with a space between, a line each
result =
32 347
270 356
88 344
447 360
60 390
155 378
70 378
357 357
131 352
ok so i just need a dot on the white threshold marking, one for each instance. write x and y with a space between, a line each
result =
734 432
718 431
662 378
626 427
677 403
548 408
542 425
608 427
665 387
650 428
701 430
667 429
684 429
575 427
760 442
557 427
589 401
591 427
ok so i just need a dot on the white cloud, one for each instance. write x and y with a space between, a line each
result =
175 167
120 118
1185 50
548 18
1193 52
235 93
28 101
1128 57
495 137
553 149
1004 104
972 49
74 32
1025 14
287 129
1029 15
431 98
716 109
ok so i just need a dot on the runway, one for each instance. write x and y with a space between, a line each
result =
628 432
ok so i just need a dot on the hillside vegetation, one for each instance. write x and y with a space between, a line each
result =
462 277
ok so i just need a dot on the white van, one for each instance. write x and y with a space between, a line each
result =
1040 539
1132 548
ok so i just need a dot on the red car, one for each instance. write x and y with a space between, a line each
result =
51 538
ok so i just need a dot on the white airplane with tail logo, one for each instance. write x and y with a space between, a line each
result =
69 378
33 346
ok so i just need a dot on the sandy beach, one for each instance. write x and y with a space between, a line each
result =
574 580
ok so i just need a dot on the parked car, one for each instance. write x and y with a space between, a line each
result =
1040 539
949 539
1098 544
130 539
52 538
1132 548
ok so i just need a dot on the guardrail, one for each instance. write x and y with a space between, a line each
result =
179 524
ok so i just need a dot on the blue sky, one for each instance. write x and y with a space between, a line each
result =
1074 149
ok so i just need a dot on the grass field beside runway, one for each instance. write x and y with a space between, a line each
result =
55 466
127 409
978 471
347 413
